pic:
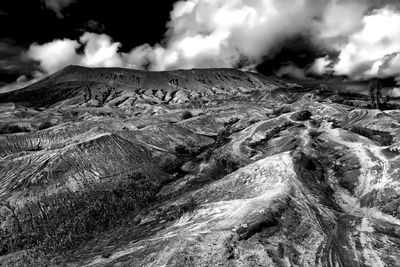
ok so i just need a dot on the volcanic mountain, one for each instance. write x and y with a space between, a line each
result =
202 167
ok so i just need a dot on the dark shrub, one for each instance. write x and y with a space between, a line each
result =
45 125
383 138
188 206
271 134
220 167
10 129
23 114
68 223
183 151
186 115
223 136
303 115
254 121
170 165
282 110
314 134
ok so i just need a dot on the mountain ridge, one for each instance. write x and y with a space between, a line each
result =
68 81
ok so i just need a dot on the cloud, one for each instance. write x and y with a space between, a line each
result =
365 34
3 13
202 33
21 82
55 55
92 26
12 64
100 51
58 5
371 51
223 33
338 21
321 66
395 92
293 72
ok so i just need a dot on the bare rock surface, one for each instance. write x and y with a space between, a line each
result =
215 167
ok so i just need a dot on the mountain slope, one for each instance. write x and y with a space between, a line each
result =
215 167
103 85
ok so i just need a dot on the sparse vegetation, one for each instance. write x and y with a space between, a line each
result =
303 115
22 114
383 138
38 147
32 257
181 150
222 137
282 110
314 134
45 125
219 168
270 134
188 206
12 128
74 114
183 154
254 121
170 164
186 152
186 115
69 223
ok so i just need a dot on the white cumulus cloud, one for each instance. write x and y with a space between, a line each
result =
365 34
371 51
368 50
55 55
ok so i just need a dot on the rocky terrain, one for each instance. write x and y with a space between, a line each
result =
213 167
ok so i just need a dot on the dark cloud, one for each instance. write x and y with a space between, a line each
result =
24 22
13 62
92 26
58 5
298 50
132 23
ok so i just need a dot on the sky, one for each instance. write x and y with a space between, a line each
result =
358 39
